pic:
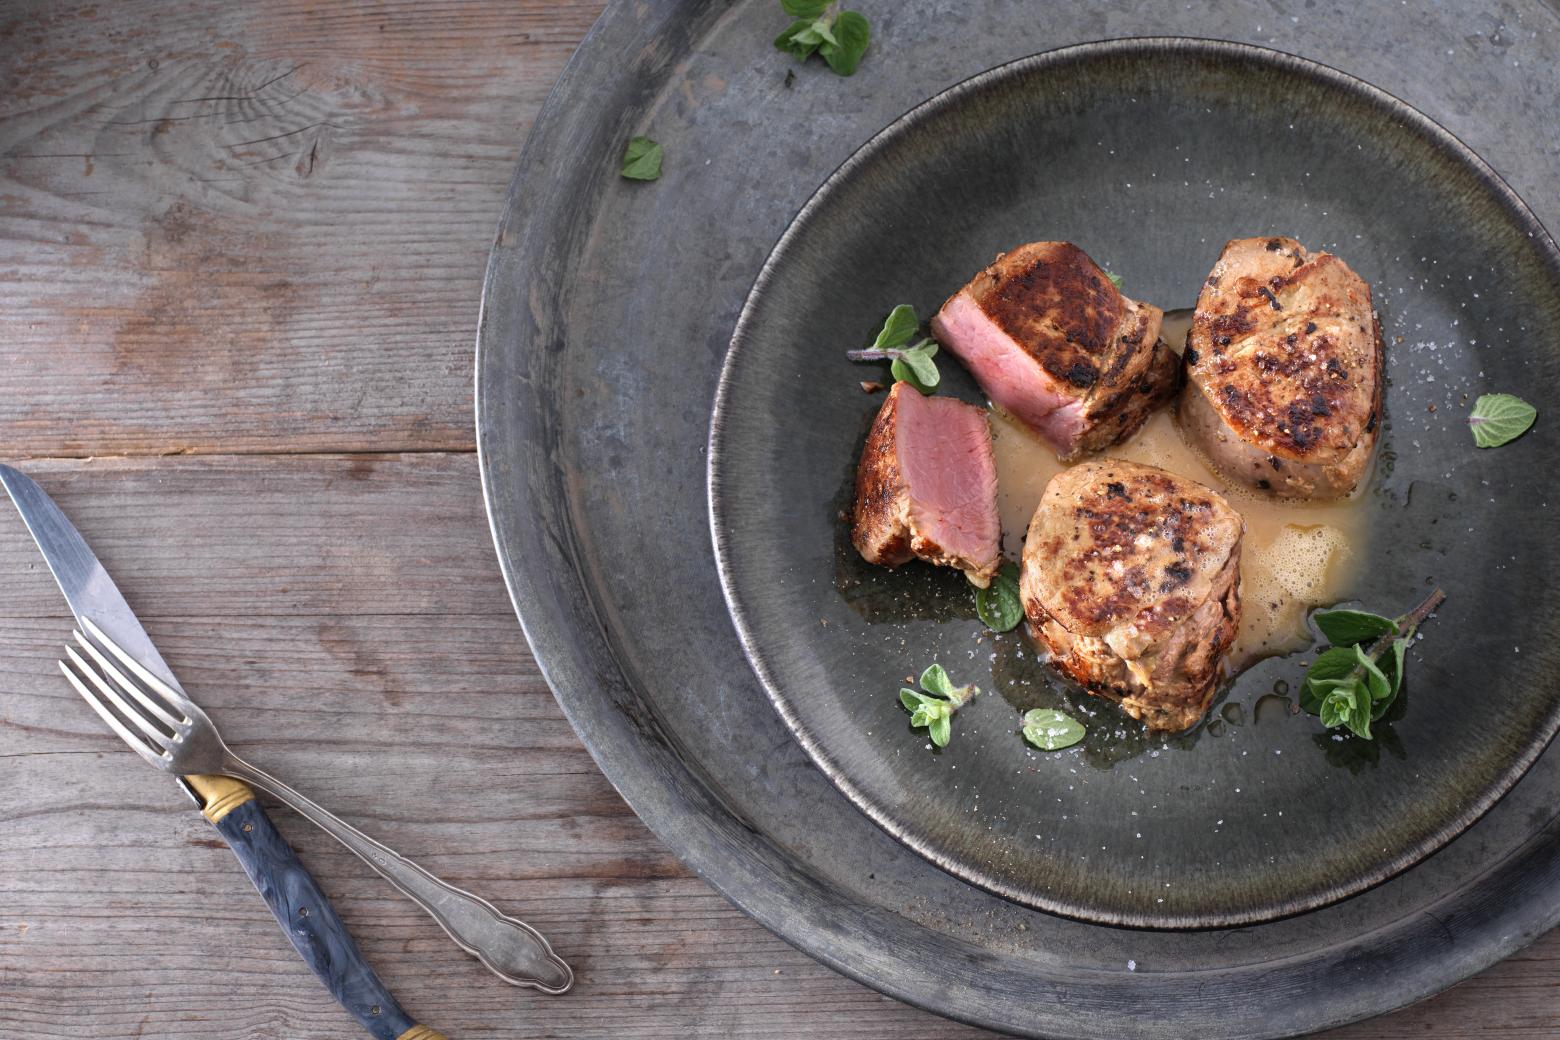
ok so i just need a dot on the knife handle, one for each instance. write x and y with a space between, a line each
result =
303 910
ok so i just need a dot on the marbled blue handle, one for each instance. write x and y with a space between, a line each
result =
310 921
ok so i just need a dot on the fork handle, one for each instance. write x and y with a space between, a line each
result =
511 949
303 910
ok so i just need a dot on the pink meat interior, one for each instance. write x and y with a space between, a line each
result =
944 449
1011 378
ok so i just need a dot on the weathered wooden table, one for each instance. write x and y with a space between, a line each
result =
240 255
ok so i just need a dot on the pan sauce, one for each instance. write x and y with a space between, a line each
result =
1295 556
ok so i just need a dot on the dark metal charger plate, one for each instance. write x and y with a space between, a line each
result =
1151 155
607 312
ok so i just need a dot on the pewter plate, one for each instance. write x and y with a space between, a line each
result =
1151 158
607 311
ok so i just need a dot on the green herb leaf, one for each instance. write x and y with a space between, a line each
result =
1115 279
1050 730
934 708
1352 686
1358 721
808 9
935 680
810 36
1391 664
790 42
1329 665
913 365
1379 685
999 604
1347 627
1499 419
852 37
916 367
1338 701
841 37
641 160
898 329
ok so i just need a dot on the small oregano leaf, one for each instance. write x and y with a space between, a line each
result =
852 37
898 329
935 680
998 605
641 160
1050 730
1499 419
1329 665
808 9
1347 627
916 367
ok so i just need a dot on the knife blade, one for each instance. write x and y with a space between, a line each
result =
300 906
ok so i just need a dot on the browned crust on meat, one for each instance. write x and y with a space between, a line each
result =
1127 407
881 519
1286 348
1057 303
1089 338
1187 670
1104 574
1131 580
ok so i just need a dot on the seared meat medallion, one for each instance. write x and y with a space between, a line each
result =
1131 580
1055 344
1284 370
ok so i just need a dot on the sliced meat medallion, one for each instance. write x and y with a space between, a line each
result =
1055 344
1131 580
926 486
1284 370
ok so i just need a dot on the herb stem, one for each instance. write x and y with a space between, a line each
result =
1408 623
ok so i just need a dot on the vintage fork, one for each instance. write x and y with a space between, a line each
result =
171 732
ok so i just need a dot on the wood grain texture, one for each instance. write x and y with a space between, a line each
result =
247 224
257 232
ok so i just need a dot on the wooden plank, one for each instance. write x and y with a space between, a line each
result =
331 535
389 679
255 227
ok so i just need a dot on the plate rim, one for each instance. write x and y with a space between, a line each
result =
1391 107
1509 904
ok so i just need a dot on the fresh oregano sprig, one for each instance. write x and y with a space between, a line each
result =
910 364
821 27
934 708
1350 685
998 604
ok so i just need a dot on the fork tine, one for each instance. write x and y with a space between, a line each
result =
107 690
129 687
168 693
161 761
